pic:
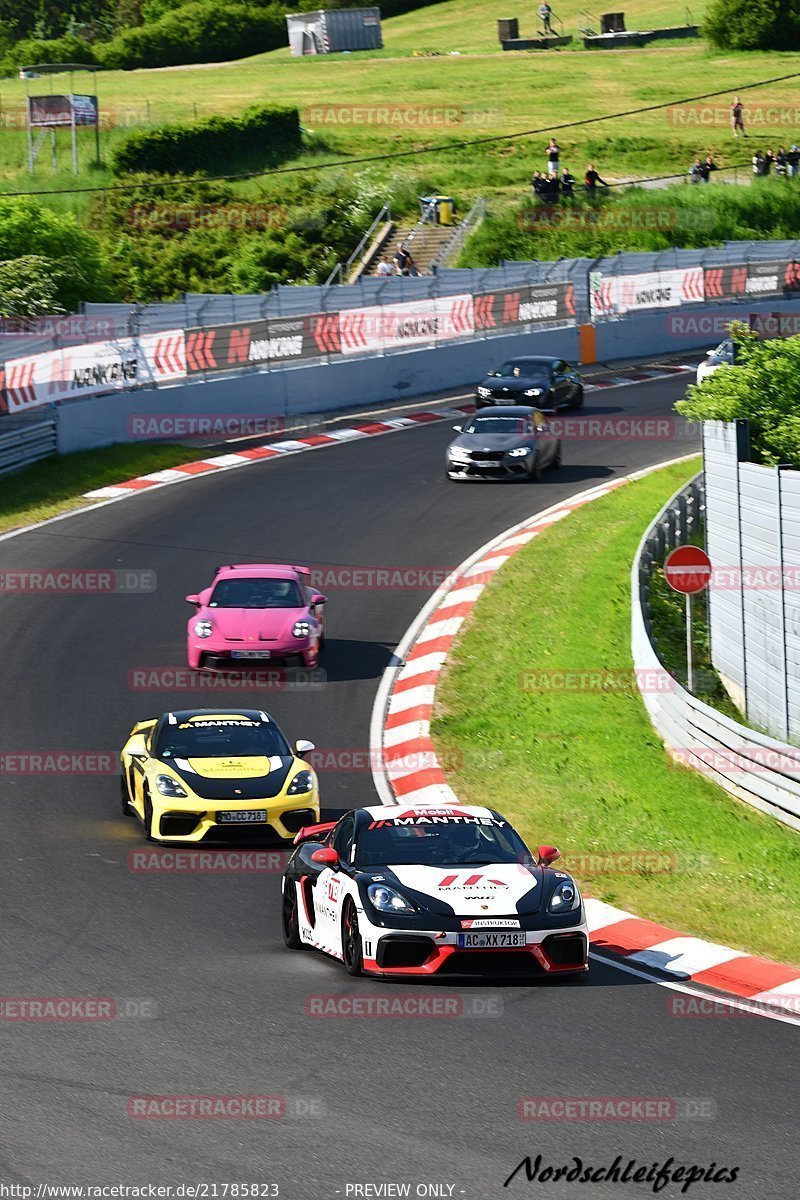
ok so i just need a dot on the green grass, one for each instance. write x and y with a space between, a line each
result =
490 91
56 485
585 770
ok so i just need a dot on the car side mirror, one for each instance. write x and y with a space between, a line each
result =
318 598
326 856
547 855
193 600
302 748
458 428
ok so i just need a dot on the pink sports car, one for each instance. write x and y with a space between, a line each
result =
256 611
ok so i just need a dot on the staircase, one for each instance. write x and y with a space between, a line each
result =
424 242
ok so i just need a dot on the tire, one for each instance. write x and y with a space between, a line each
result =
535 471
351 940
578 401
148 819
289 923
124 796
556 462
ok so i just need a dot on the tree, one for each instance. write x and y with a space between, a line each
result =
753 24
763 388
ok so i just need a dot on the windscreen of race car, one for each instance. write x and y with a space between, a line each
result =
222 739
451 843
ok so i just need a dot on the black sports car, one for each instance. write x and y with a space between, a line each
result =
535 379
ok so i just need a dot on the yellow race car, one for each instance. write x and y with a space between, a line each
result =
200 773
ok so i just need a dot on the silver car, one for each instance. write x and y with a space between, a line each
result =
512 442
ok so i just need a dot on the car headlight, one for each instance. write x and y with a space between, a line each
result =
303 782
203 629
519 451
566 897
387 900
459 455
534 392
168 786
483 391
301 629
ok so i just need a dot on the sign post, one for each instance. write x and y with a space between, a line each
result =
687 570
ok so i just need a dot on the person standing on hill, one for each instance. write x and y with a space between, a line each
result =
591 180
737 117
792 160
552 156
545 14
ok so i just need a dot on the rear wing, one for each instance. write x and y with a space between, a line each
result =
313 832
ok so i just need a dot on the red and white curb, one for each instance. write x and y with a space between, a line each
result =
274 450
290 446
407 770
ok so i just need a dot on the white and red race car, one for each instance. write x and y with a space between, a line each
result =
393 891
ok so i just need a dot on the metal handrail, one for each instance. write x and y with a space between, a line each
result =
341 270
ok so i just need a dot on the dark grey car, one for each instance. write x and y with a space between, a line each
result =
512 442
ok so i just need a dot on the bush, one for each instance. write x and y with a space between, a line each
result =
763 388
204 31
66 49
36 286
49 257
260 135
753 24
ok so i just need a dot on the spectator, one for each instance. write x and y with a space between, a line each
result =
401 260
592 179
384 267
567 183
793 160
545 13
737 114
537 179
551 189
411 268
769 162
758 163
780 162
697 173
708 166
552 157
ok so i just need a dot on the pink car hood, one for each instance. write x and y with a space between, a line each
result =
254 624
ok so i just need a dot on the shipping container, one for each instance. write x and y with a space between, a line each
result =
329 31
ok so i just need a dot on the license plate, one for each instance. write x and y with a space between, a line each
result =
484 462
251 653
246 817
498 940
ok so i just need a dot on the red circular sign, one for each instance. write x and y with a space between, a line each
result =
687 569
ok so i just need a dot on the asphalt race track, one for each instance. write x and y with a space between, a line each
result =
208 1001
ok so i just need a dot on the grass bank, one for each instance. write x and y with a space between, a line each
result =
57 485
584 769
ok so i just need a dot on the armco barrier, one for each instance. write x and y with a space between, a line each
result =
27 443
296 391
750 766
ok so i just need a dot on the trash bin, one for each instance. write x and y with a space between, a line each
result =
445 209
428 207
508 29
